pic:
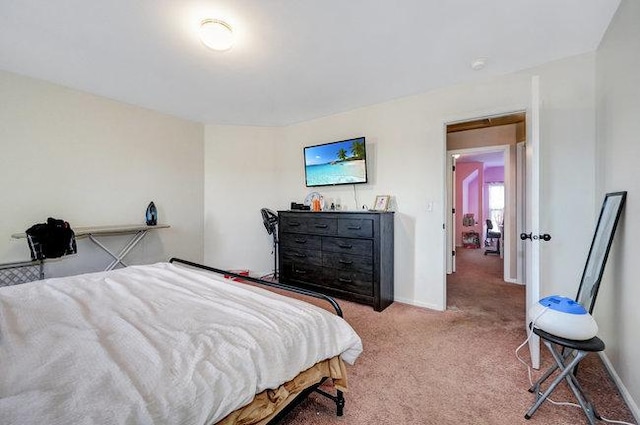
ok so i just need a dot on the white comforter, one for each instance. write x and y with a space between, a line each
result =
156 344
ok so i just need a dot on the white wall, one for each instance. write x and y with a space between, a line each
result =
93 161
618 121
240 169
406 138
406 150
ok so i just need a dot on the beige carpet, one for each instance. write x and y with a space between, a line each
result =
455 367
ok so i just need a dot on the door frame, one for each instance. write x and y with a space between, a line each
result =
450 227
532 220
532 288
532 111
507 244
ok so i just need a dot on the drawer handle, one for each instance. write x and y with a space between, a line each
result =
321 226
354 227
297 254
299 240
343 280
345 246
294 224
300 271
345 261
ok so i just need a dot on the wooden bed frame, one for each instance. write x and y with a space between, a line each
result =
338 398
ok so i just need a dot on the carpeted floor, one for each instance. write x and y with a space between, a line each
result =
454 367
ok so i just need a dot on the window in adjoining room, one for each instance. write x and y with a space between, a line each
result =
496 203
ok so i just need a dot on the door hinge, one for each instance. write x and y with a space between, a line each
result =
453 253
453 210
453 168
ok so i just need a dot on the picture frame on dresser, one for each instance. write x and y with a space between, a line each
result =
381 203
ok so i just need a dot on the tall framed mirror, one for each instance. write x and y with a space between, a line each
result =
600 246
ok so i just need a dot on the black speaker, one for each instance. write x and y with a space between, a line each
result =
296 206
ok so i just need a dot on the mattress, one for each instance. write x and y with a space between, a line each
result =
153 344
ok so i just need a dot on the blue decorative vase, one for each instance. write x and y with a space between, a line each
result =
152 215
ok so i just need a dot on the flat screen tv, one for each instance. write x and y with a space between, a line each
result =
330 164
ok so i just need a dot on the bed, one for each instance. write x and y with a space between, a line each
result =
167 343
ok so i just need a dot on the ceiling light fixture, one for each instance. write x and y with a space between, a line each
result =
216 34
479 64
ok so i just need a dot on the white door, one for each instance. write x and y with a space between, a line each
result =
532 226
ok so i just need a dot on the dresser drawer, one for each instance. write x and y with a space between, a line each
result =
322 226
303 256
362 247
292 224
358 283
355 227
340 261
292 270
296 241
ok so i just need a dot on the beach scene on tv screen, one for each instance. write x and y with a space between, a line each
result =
336 163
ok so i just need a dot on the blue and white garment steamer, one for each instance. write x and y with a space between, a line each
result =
563 317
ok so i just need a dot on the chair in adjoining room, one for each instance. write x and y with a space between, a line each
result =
567 353
492 236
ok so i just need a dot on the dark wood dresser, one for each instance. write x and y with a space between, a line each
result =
344 254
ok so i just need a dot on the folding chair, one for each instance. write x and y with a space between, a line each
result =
567 353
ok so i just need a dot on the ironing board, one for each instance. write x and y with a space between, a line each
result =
139 231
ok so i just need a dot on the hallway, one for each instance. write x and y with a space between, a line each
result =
478 284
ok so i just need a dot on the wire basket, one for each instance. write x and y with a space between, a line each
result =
22 272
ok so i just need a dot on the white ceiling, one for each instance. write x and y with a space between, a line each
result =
294 60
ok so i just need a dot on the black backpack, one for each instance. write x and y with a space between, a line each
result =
52 239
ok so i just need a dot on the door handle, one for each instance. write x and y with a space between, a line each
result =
545 237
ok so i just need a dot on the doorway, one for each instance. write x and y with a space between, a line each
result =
479 202
486 196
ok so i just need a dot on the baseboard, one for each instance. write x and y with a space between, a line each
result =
260 273
509 280
623 390
418 303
